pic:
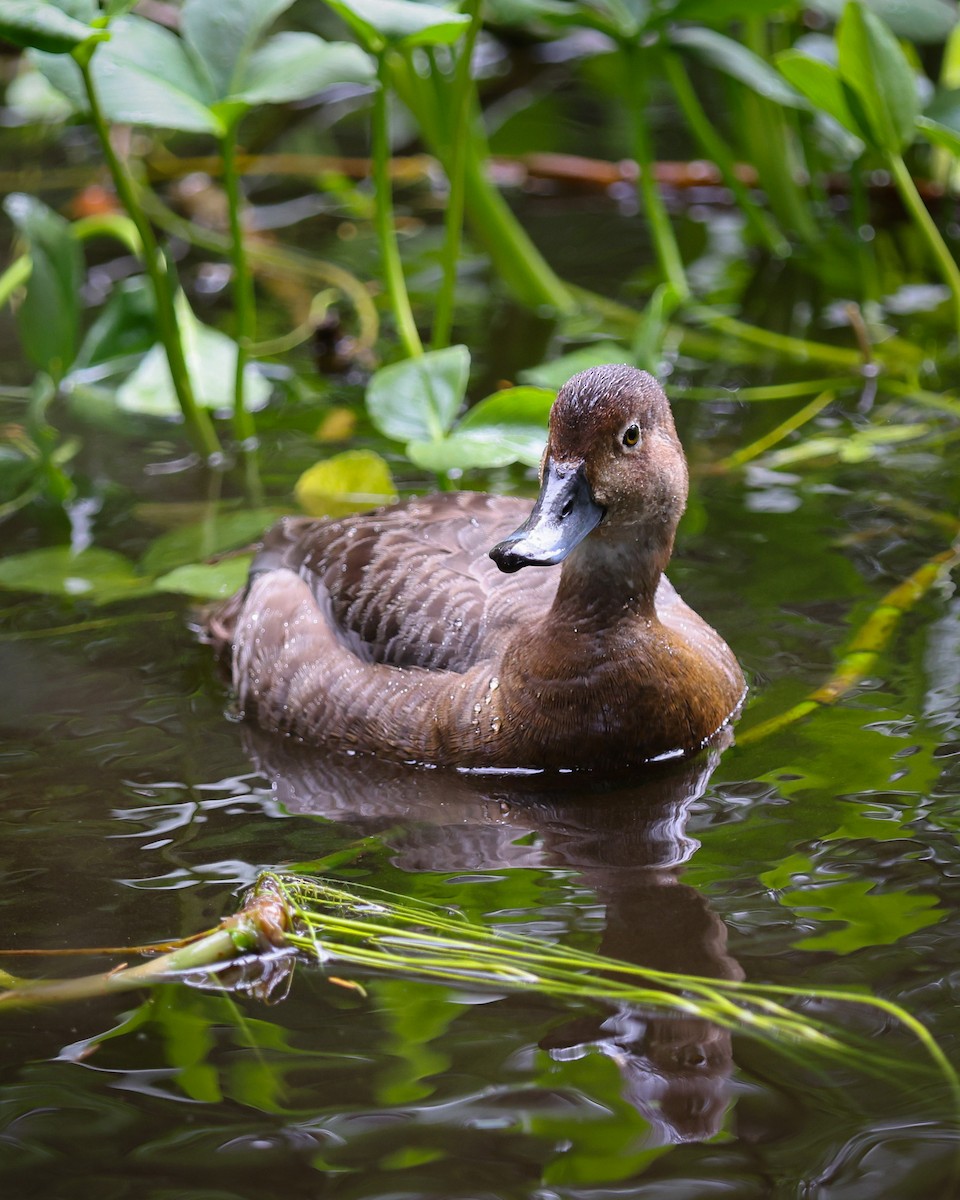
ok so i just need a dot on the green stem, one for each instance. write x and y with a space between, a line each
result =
457 160
715 148
383 218
198 423
493 224
245 304
665 243
918 211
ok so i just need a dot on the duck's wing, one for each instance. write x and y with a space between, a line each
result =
412 584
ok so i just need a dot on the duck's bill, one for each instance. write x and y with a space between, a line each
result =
564 514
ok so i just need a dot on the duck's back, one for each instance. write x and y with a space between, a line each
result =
412 585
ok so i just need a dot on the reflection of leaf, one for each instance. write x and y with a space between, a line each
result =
347 482
869 918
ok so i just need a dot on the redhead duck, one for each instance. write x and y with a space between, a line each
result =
402 633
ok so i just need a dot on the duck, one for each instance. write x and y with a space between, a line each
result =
417 633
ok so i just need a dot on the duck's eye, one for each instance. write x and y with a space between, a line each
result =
631 436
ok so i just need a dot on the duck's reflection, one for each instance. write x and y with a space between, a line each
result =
628 845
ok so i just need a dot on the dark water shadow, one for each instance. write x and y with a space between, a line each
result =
628 843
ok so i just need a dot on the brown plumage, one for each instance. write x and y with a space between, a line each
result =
393 632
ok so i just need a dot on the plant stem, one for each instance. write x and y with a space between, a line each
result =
515 258
244 301
716 148
383 218
198 423
457 160
637 60
918 211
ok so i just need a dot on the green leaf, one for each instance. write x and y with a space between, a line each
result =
291 66
940 134
125 325
735 60
211 361
98 575
719 12
345 483
941 122
921 21
379 23
207 581
145 76
49 317
822 85
63 75
555 374
509 426
876 70
44 27
417 399
222 37
202 539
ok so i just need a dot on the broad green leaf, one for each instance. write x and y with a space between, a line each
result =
207 581
291 66
735 60
719 12
941 122
201 539
145 76
379 23
555 374
63 75
222 37
508 427
44 27
98 575
34 99
345 483
822 86
940 134
211 360
874 67
125 325
417 399
134 84
922 21
49 317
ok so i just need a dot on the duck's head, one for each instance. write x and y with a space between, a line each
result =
613 460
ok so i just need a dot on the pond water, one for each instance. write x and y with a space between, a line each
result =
824 855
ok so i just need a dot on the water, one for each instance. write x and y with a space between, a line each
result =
821 856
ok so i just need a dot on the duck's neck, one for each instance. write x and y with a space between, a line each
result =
611 576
